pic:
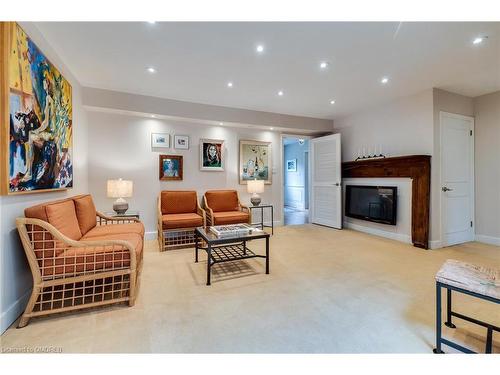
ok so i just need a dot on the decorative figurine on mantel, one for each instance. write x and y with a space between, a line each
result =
363 155
255 187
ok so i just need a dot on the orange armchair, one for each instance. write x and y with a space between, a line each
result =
179 213
224 207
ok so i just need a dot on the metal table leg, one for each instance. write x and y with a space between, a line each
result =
267 255
209 263
437 349
195 248
448 322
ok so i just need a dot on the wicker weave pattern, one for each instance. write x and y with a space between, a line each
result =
69 275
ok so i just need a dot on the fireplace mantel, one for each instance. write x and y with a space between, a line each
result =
416 167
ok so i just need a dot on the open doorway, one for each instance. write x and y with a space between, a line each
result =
296 180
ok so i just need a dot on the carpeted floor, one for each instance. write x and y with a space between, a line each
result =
329 291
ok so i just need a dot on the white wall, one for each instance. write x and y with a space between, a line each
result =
487 167
15 276
402 127
120 146
294 182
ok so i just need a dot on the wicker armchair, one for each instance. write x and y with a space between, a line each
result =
179 213
78 261
224 207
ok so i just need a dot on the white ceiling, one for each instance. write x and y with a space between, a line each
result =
194 61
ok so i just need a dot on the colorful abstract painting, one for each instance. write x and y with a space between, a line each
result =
40 115
255 161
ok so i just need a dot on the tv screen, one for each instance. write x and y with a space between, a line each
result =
372 203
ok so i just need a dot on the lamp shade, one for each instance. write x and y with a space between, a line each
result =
255 186
120 188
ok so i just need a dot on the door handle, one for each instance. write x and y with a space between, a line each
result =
337 184
445 189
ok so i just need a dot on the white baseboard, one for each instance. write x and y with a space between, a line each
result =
377 232
10 315
488 239
436 244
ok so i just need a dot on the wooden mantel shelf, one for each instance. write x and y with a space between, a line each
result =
416 167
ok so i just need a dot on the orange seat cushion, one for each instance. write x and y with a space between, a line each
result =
85 213
62 216
175 221
230 217
178 202
79 259
113 229
222 200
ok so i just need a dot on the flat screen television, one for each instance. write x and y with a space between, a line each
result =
372 203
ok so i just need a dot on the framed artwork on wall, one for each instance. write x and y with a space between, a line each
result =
255 161
36 118
171 167
291 165
211 155
160 140
181 142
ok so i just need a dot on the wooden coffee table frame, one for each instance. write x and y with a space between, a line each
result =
227 249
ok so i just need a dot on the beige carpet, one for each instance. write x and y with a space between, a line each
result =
328 291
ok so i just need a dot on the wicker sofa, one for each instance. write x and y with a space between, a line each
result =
179 213
79 257
224 207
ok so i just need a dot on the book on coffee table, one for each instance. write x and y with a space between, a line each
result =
233 230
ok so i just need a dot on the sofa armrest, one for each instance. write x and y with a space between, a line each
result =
244 208
209 211
105 220
45 248
200 211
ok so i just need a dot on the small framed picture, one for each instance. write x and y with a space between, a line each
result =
160 140
181 142
291 165
170 167
211 155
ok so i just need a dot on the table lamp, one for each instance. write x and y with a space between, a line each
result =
255 187
120 189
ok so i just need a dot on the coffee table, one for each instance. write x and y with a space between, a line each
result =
227 249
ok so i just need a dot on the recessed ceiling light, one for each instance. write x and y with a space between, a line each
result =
280 93
151 70
152 22
271 128
479 40
384 80
221 123
153 116
260 48
332 101
229 84
323 65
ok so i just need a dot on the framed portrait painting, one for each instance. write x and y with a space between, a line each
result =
211 155
171 167
36 118
255 161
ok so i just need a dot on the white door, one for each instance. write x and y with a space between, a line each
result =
457 178
326 190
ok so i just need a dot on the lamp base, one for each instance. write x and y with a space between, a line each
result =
255 199
120 207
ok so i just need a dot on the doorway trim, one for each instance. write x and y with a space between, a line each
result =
471 176
282 157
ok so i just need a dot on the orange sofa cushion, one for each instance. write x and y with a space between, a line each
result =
178 202
62 216
230 217
222 200
112 229
85 213
175 221
80 259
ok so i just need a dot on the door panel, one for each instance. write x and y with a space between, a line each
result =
457 179
326 191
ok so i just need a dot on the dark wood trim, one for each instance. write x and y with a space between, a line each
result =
166 178
416 167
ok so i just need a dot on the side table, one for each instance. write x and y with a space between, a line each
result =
261 223
128 213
